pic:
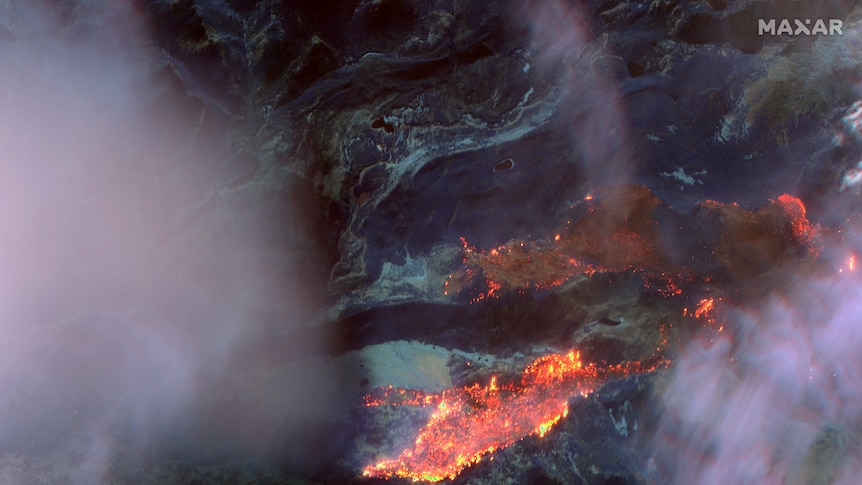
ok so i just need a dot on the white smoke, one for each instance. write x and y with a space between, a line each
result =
779 401
108 328
590 108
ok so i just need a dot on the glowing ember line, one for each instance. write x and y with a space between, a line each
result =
704 308
400 397
617 232
801 228
471 422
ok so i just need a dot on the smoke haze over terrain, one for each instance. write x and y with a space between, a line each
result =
109 318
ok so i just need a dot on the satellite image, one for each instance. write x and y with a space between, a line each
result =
438 241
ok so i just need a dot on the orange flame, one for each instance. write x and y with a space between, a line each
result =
752 244
516 264
471 422
800 226
704 308
617 233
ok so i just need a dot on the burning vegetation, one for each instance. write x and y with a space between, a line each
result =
619 231
752 243
469 423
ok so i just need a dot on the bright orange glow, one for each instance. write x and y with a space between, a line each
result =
707 312
617 233
471 422
514 265
801 228
705 308
851 263
752 244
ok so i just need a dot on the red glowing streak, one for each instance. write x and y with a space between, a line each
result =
618 232
851 263
704 308
471 422
752 244
514 265
800 226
